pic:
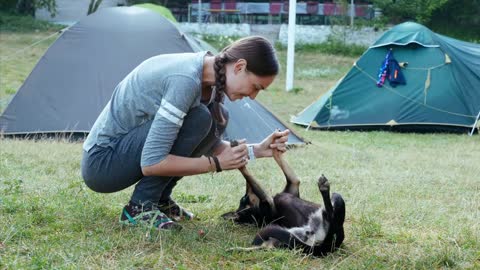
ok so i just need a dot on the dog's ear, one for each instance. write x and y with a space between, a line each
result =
233 216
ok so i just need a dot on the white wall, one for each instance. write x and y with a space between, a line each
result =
314 34
216 29
304 34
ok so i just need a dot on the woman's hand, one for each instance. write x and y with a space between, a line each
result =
277 140
234 157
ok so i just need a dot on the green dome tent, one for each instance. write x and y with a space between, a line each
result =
442 90
75 78
165 12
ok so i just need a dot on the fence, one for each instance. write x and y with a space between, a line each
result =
310 12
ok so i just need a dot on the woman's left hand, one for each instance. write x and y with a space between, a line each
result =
277 140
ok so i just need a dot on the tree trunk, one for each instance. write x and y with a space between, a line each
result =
93 6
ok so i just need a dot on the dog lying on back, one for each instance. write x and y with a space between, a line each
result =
287 221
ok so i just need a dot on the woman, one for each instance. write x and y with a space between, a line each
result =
164 121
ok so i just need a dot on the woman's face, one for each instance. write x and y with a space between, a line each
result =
243 83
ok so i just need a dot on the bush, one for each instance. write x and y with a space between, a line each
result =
8 5
20 23
332 47
28 7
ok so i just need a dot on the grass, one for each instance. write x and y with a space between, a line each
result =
413 200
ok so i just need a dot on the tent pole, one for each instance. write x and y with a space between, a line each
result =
292 13
475 124
352 12
199 14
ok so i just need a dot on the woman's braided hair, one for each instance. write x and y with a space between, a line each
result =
261 60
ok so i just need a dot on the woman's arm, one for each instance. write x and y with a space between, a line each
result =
277 140
179 166
229 158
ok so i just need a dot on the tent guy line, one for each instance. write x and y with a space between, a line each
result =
14 54
259 116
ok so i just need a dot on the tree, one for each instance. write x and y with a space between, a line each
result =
459 19
418 10
28 7
93 6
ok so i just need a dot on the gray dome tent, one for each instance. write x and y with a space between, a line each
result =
73 81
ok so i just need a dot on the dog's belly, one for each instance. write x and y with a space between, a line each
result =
314 232
292 211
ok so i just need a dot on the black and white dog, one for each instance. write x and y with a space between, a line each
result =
287 220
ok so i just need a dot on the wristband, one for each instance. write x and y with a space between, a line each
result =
217 163
251 154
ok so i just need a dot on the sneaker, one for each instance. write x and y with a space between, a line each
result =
134 214
175 211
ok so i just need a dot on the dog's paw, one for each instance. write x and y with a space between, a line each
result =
323 183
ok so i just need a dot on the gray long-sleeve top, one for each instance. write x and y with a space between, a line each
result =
162 88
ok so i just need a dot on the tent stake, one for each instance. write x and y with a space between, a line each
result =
475 124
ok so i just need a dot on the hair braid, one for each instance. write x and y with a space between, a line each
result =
220 78
216 108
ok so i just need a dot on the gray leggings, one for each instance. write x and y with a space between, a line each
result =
110 169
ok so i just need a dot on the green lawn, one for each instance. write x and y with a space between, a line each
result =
413 201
